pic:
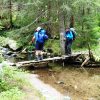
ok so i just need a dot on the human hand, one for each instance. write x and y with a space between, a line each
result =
30 42
64 39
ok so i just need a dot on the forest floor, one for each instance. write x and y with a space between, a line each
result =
73 81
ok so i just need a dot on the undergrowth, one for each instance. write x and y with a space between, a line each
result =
96 52
11 82
14 84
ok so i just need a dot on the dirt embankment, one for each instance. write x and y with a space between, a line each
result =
74 82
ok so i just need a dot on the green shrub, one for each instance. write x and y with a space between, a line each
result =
11 83
4 85
54 45
12 94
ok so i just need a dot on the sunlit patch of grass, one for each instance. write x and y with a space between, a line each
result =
12 94
96 53
11 84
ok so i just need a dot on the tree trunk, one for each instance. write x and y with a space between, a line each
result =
72 21
48 18
10 12
62 30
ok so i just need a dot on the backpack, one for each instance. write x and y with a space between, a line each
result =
69 35
74 32
41 37
74 35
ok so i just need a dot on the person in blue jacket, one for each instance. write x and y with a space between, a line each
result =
39 38
69 37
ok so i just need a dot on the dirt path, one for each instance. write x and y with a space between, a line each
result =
46 90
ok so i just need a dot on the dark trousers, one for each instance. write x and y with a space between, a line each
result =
68 45
39 46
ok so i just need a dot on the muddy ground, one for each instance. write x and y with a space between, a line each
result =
73 81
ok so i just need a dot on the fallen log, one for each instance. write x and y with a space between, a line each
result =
36 65
93 64
85 61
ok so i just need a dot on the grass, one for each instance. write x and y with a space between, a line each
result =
1 57
96 52
10 83
14 85
12 94
54 45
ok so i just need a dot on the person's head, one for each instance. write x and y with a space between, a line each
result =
67 29
38 28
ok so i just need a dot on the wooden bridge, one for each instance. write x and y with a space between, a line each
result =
47 60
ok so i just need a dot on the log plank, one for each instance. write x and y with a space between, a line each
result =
63 57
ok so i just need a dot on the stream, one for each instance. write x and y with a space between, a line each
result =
16 56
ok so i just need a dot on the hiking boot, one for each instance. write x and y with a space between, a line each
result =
36 58
40 57
69 54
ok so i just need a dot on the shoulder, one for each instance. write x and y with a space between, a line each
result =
35 33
